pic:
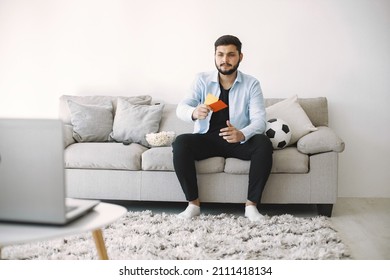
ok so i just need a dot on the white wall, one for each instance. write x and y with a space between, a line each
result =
333 48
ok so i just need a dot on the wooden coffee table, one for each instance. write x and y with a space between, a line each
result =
102 215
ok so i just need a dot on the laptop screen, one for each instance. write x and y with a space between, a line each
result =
32 184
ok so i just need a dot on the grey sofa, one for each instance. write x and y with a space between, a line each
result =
305 173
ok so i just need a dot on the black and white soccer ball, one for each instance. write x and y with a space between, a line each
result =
279 132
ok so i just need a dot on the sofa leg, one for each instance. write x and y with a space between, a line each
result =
325 209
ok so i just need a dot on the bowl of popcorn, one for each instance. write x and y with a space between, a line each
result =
160 139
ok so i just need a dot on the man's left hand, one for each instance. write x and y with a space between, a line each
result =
231 134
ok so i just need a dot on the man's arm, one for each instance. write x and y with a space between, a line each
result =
257 113
188 109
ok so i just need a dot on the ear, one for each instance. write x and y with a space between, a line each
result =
241 56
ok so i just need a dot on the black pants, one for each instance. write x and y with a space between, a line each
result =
190 147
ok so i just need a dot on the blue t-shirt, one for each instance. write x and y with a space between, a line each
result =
218 119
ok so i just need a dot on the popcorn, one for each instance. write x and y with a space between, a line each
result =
163 138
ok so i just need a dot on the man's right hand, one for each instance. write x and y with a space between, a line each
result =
201 112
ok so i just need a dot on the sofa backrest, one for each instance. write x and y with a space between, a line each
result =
316 109
170 122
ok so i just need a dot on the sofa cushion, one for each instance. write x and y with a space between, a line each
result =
158 158
291 111
210 165
64 113
104 156
161 159
288 160
133 122
320 141
91 123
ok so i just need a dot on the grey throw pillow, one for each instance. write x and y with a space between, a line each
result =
132 122
91 123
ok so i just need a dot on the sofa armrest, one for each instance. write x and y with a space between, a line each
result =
320 141
68 135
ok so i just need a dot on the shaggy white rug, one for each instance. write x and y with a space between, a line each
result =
148 236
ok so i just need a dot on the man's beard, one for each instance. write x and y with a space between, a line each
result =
227 72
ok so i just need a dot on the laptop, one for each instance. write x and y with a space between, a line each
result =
32 174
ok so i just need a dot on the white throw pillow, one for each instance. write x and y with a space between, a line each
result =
291 111
91 123
132 122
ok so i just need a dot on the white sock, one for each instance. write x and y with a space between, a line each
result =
191 211
253 214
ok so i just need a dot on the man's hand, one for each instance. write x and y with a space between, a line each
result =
201 112
231 134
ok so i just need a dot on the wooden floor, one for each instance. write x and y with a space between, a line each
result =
363 223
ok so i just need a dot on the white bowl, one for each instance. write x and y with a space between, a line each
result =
160 139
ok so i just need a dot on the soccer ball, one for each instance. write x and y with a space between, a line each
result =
278 132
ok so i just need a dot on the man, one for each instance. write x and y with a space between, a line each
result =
236 131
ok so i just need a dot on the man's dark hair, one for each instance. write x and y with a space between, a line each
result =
228 40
